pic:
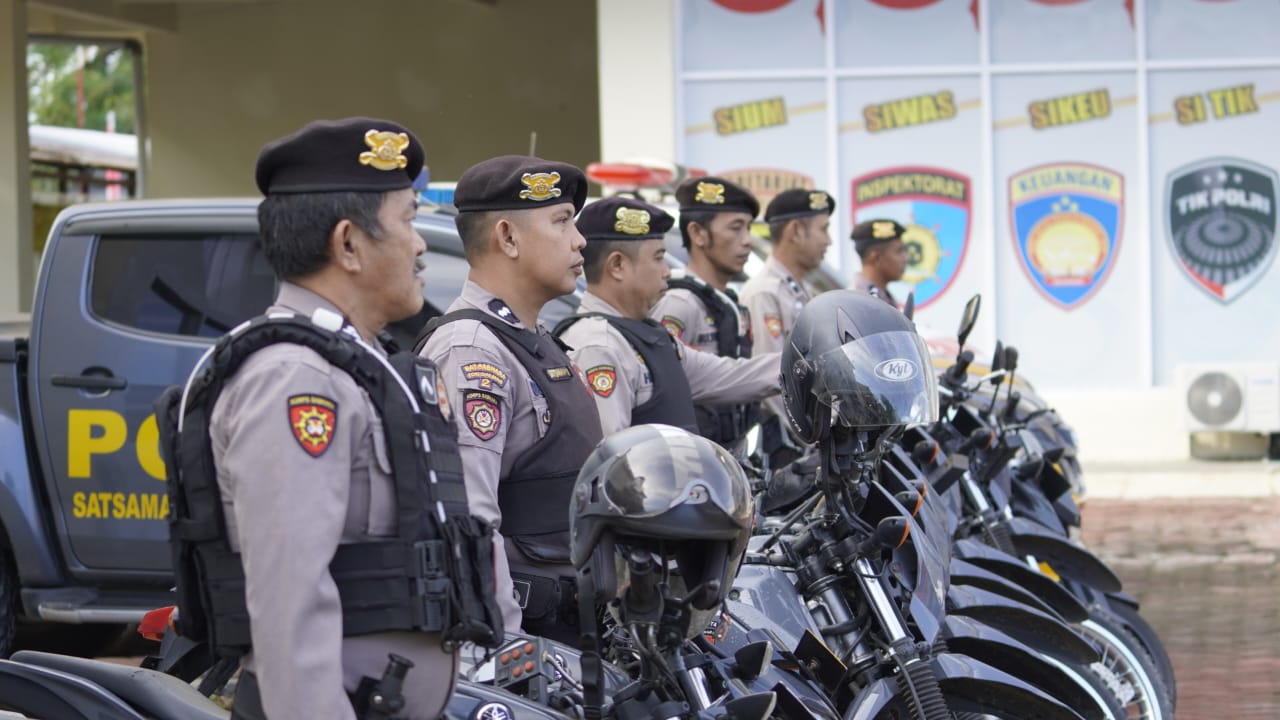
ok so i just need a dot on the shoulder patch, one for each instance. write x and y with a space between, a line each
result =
602 379
482 413
313 420
486 374
774 324
673 325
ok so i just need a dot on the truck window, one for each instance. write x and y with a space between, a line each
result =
185 285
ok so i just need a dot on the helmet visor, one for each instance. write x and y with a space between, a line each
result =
676 471
878 380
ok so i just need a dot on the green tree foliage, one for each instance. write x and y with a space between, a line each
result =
53 75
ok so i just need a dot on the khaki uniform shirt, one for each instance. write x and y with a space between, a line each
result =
686 318
863 285
290 499
774 299
597 345
471 358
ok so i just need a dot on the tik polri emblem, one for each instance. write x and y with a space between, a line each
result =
1222 224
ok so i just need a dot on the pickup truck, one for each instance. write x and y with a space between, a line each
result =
129 295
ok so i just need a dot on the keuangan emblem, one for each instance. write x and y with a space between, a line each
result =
540 186
1067 221
710 193
632 221
1222 224
386 150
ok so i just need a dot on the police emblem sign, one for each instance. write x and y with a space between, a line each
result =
1222 224
934 205
1066 227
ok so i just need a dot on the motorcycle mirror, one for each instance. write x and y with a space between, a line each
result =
1011 358
753 659
909 308
756 706
997 358
968 318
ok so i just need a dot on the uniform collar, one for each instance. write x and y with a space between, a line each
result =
592 303
729 298
477 297
301 301
780 271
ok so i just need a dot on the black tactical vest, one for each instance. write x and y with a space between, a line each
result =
725 424
672 399
534 498
435 575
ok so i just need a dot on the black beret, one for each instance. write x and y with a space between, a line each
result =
519 182
798 203
874 232
352 154
717 195
623 218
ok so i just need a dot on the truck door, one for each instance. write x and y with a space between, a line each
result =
126 314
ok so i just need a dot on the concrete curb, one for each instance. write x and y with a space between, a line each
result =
1182 479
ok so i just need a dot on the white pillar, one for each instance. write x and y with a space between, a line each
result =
636 43
17 264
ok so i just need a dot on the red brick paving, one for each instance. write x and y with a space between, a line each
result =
1206 574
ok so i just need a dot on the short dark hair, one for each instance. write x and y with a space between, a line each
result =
597 251
776 227
689 217
473 228
295 227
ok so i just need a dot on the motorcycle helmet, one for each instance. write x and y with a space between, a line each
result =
666 491
854 360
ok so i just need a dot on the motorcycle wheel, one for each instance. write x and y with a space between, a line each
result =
1127 667
1138 625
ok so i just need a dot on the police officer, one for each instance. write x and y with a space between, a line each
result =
884 257
799 227
699 309
525 418
299 450
637 371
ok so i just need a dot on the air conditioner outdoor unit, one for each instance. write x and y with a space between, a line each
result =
1230 397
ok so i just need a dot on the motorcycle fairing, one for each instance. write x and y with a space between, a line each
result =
1066 559
1042 632
1017 572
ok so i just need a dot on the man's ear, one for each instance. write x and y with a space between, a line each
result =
698 234
507 235
344 246
793 228
615 264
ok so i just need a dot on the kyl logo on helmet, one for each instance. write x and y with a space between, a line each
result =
896 370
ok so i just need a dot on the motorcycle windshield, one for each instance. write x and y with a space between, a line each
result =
878 380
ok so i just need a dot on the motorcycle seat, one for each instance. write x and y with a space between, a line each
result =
161 696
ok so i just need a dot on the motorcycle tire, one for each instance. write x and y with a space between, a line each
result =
1128 666
1150 639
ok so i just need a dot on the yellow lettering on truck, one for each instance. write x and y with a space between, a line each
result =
89 433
